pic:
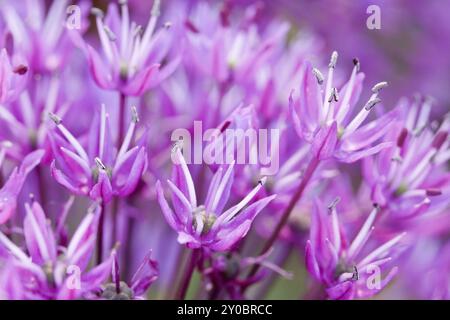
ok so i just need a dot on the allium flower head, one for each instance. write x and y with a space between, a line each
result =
40 33
101 172
408 176
344 268
323 116
227 51
42 270
132 55
208 226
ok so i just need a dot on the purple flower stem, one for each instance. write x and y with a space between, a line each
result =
101 224
185 281
120 137
312 166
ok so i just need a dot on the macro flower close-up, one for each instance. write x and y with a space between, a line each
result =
224 150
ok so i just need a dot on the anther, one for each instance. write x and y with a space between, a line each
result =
93 207
433 192
109 33
99 163
134 115
333 60
357 64
97 12
397 159
57 120
355 276
177 146
191 26
21 69
379 86
318 75
402 137
123 2
439 140
262 181
334 203
333 95
138 31
225 126
371 103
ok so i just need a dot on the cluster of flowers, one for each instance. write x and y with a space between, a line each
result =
97 203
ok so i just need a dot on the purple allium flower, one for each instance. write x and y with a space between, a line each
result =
228 52
240 83
24 120
208 226
101 172
323 116
132 55
45 270
224 272
12 187
411 175
40 33
345 269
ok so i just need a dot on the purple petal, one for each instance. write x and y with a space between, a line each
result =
142 81
39 235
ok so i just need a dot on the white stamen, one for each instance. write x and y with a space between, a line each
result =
125 25
219 192
130 132
70 138
381 250
335 223
361 116
424 114
228 215
363 233
325 112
